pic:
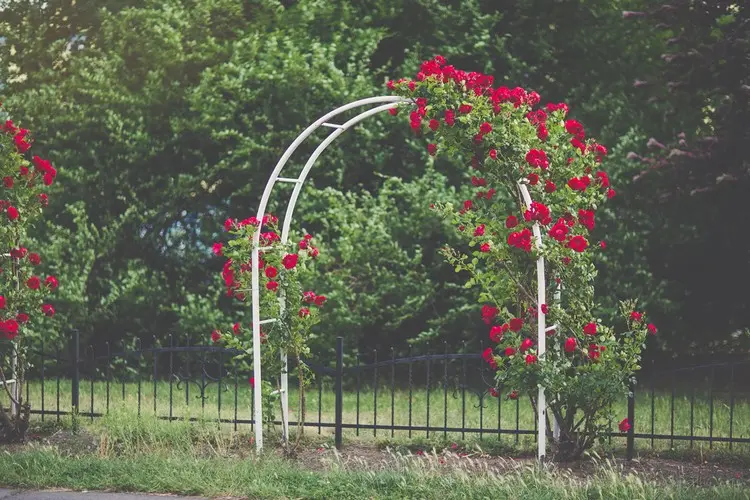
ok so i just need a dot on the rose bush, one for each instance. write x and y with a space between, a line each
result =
296 310
23 288
506 138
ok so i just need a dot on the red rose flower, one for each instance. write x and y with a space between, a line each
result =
12 213
515 324
51 282
488 313
272 285
10 328
586 218
635 316
48 310
432 149
573 127
18 253
533 179
487 355
559 231
22 317
450 117
577 184
33 283
237 328
509 351
651 328
485 128
465 108
603 178
479 231
43 199
570 344
513 395
511 221
215 336
537 158
8 181
578 243
218 248
496 333
544 309
34 259
320 300
526 344
290 260
308 297
590 328
2 302
493 392
624 425
521 240
304 312
594 352
611 193
541 132
530 359
538 212
271 272
484 247
549 187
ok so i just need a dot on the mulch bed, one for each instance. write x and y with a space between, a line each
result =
361 457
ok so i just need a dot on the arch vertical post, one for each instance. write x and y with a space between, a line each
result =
541 296
255 293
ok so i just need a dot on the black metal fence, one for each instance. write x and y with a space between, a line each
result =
433 395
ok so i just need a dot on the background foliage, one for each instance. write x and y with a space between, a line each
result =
167 117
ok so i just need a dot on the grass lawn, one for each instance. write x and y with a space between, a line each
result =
126 453
462 410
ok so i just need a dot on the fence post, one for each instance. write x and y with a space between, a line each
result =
631 420
75 379
339 391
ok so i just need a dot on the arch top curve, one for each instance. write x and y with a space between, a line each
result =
385 103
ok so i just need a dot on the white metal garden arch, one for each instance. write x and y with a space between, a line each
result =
382 103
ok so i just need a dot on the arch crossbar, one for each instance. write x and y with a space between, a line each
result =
382 103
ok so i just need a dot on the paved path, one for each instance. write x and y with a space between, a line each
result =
6 494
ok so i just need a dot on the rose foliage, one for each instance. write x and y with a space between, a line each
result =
282 270
23 288
506 137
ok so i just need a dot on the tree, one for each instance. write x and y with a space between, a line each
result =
185 106
693 185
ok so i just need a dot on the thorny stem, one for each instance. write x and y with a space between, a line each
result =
5 385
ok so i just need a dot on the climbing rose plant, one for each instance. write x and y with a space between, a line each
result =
506 138
282 269
23 288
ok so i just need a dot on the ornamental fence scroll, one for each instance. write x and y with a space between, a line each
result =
435 395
